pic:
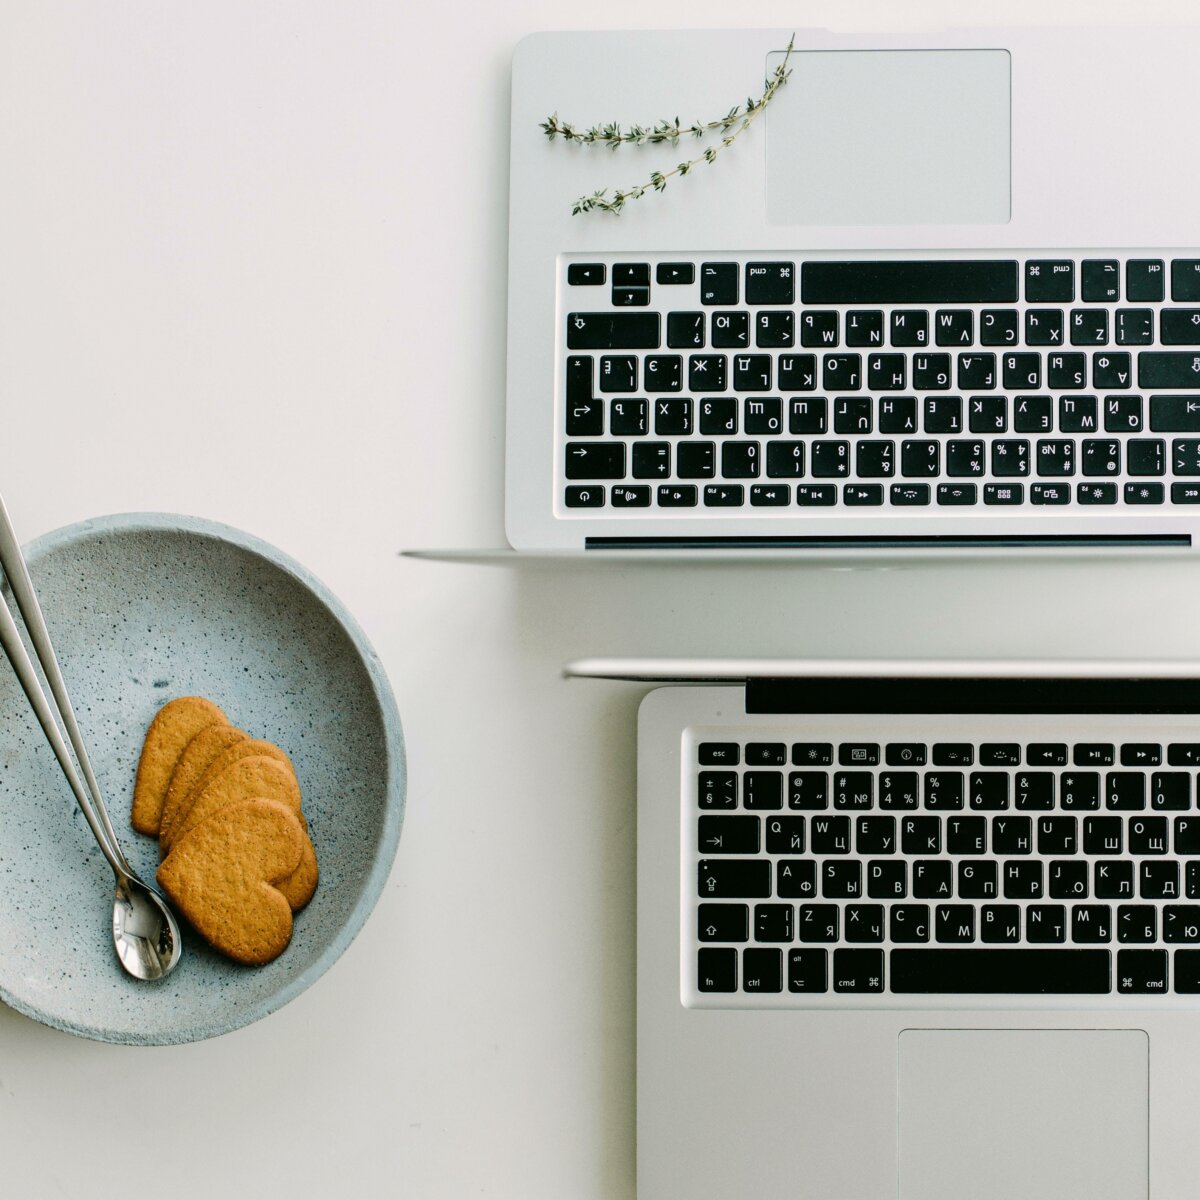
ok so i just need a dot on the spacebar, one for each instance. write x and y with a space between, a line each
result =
996 972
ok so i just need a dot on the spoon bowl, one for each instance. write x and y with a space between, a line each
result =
145 932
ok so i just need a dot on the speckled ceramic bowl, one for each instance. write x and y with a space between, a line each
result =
143 608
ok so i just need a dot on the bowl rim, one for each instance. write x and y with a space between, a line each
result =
394 749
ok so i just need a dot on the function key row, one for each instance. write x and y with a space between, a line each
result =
947 754
1100 281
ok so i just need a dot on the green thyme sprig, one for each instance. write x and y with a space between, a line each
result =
735 122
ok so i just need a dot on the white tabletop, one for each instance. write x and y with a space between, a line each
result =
242 249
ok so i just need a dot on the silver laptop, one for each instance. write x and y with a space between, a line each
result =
918 929
946 289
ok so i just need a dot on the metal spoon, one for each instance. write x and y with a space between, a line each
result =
145 934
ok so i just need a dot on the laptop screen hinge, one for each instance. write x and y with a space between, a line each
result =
887 542
1019 696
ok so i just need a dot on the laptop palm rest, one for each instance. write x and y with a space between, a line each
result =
1035 1114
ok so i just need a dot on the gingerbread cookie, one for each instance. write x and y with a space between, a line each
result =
224 877
169 733
201 752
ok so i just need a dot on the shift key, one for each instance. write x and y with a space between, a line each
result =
1175 414
615 331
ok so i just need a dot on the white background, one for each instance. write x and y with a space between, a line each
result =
252 267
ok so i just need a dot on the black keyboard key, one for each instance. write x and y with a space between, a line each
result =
1183 754
852 414
733 879
762 789
1023 880
1022 370
954 327
1000 923
1125 791
921 835
718 789
808 415
1135 327
719 754
1103 835
723 922
1113 880
731 330
1091 923
858 971
999 326
695 460
841 372
957 494
909 495
630 496
858 754
1181 923
1185 493
1055 457
774 329
1033 414
864 327
830 460
954 923
1158 880
613 331
1045 923
953 754
808 971
920 459
770 283
1101 457
933 878
863 923
707 372
898 414
785 460
977 881
595 460
1142 972
729 835
841 879
1003 493
631 275
1047 754
931 372
716 969
674 273
1094 754
1096 493
585 274
773 923
1049 281
988 414
785 835
1101 280
718 283
818 922
887 879
816 495
796 879
1137 923
631 297
585 497
1057 835
978 371
905 754
819 329
894 282
830 835
1179 327
1185 279
1144 493
1146 456
628 418
965 457
1080 791
812 754
1145 280
752 372
1000 972
1065 371
886 372
1187 836
774 495
1168 369
719 415
1187 971
740 460
1033 790
943 414
1013 835
618 373
1141 754
989 790
1000 754
1175 414
910 327
651 460
908 923
676 495
686 330
1148 835
724 496
766 754
944 791
966 835
899 789
1077 414
762 970
1069 879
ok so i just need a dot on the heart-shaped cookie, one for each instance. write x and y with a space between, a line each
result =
169 733
258 776
201 752
224 875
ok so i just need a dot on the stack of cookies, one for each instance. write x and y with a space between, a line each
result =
226 809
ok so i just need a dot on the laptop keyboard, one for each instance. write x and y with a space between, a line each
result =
816 870
725 385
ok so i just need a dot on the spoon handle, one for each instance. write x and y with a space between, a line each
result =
91 802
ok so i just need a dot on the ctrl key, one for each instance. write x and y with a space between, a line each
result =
716 970
858 970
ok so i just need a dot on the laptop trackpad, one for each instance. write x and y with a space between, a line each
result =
995 1114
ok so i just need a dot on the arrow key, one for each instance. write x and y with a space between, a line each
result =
723 922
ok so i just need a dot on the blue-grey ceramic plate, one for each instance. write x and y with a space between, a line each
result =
144 608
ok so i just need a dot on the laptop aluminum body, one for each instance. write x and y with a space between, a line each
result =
925 1097
1059 142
